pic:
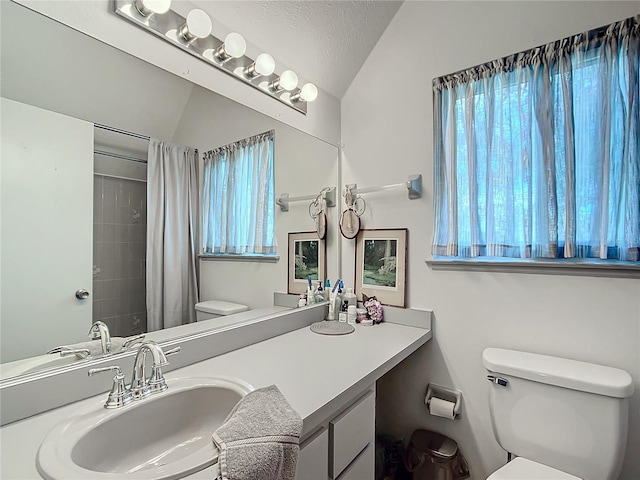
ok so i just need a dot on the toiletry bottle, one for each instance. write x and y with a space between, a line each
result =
310 294
302 301
351 297
327 289
333 311
338 298
319 292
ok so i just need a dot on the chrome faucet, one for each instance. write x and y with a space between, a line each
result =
101 330
141 386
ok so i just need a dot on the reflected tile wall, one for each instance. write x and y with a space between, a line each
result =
119 255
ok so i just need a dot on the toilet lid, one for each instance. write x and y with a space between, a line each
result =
522 469
219 307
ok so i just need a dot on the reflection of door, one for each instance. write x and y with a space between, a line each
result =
46 175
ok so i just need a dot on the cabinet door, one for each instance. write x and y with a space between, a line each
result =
313 460
363 467
351 432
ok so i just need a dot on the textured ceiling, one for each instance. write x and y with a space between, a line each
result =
325 42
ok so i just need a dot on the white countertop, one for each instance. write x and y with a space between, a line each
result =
314 372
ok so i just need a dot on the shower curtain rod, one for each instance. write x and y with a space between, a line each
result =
121 157
123 132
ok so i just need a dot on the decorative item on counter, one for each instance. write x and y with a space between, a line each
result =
362 314
374 308
381 265
350 217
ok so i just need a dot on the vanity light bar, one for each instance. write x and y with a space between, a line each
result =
185 34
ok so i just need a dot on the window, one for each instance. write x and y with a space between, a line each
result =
238 199
537 154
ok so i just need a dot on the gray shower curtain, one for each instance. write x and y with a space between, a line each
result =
172 212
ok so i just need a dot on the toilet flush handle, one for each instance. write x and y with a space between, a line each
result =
503 382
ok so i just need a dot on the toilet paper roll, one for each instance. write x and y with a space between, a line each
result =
441 408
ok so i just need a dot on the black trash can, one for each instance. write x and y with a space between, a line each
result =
432 456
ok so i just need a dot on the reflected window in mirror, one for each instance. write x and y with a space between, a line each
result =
238 201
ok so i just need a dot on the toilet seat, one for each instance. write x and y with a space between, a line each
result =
522 469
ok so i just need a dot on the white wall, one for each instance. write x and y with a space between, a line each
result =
387 135
98 19
303 165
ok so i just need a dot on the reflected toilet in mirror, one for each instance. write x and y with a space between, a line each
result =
216 309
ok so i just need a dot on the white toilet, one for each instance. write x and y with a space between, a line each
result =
564 419
217 308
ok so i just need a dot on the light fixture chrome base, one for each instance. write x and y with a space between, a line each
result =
167 26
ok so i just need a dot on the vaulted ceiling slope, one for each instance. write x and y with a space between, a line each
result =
325 42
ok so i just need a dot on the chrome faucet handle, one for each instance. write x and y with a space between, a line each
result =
81 353
133 341
157 383
119 396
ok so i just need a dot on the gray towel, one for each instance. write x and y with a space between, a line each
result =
259 440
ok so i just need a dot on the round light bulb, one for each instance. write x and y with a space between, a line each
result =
147 7
288 80
308 92
198 23
234 45
265 64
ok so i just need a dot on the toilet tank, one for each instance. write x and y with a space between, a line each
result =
217 308
569 415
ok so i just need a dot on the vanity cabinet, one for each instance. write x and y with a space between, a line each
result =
343 447
313 460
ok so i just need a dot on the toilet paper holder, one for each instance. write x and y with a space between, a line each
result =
444 393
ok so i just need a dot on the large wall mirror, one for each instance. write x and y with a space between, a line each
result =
74 204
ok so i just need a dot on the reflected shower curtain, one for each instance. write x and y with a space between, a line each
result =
172 207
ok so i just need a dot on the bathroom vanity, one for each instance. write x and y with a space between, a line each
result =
329 380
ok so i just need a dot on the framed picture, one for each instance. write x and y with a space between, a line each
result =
381 265
307 257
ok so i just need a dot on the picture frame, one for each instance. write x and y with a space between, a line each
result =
381 265
307 256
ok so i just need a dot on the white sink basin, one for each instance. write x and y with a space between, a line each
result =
165 436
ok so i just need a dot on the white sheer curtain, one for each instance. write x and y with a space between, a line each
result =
238 202
172 205
537 154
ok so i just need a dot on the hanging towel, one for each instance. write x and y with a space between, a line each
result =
259 440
